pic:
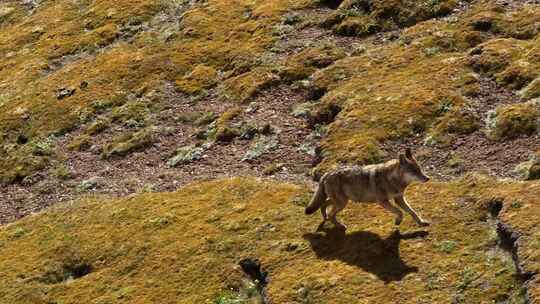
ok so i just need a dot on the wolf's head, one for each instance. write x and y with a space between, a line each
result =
410 169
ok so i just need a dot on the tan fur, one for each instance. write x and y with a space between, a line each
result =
378 183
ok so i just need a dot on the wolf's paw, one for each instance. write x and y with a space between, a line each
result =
424 223
341 227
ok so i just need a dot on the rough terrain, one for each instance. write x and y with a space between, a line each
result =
172 139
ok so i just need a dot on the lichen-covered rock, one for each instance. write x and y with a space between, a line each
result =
262 144
186 155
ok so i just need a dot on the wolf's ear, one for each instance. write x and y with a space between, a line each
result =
402 158
408 153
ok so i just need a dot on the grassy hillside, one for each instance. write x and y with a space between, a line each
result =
183 247
172 139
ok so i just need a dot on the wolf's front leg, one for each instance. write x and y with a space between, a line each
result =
388 206
400 201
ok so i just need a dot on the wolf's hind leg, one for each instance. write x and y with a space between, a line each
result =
388 206
324 216
337 207
401 202
323 211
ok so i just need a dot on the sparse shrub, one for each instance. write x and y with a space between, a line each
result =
468 276
517 75
291 18
18 232
42 147
455 160
357 26
305 63
243 87
432 51
226 133
469 84
456 121
131 111
493 56
205 118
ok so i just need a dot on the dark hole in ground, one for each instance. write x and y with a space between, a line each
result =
333 4
323 114
21 139
507 238
316 93
482 25
495 206
18 179
252 268
69 271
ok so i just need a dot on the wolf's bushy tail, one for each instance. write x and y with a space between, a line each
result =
318 199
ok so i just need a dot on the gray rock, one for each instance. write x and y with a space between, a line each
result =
65 92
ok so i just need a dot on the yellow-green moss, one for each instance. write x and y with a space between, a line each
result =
80 143
306 62
532 90
106 49
385 94
457 121
202 77
513 120
360 18
245 86
127 143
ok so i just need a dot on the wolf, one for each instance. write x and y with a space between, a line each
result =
377 183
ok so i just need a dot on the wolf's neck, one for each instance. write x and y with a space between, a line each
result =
396 177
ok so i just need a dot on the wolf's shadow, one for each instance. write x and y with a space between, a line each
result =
365 250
